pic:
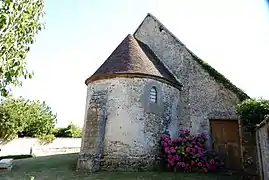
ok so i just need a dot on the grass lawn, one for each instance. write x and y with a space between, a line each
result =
62 167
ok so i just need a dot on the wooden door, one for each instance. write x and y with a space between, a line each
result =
226 141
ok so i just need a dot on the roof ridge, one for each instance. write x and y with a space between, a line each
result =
211 71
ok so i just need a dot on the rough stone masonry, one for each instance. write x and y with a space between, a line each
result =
124 117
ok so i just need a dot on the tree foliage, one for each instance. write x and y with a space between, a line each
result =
40 119
71 130
9 127
25 117
46 139
252 111
20 21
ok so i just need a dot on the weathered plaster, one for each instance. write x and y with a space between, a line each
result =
133 125
202 97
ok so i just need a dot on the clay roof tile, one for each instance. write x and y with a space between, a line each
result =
132 56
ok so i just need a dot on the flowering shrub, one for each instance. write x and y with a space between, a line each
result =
188 153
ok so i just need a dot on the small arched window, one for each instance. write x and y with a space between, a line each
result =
153 95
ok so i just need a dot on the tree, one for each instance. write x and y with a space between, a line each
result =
11 119
252 111
8 127
71 130
40 119
25 117
20 22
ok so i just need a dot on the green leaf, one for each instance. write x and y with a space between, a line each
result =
252 111
20 22
25 117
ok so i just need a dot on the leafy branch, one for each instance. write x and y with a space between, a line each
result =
20 22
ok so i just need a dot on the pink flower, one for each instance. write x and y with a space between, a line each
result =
172 150
212 161
190 145
164 136
171 161
181 164
205 170
192 162
166 150
167 140
174 140
177 157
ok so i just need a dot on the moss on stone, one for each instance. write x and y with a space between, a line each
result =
221 79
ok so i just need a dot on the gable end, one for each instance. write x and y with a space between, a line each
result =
210 70
220 78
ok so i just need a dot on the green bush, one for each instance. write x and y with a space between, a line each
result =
23 117
46 139
59 132
71 130
252 111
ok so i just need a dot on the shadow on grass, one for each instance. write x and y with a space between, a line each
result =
21 156
62 161
62 167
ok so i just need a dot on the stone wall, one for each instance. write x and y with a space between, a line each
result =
202 97
24 145
248 151
131 126
262 135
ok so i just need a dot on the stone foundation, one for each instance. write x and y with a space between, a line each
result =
121 163
89 162
92 163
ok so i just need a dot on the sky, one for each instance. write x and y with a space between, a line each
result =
230 35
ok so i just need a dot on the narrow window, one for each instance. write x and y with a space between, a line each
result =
153 95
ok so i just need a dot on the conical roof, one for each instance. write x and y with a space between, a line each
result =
133 57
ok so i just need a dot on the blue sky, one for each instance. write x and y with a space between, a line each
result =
232 36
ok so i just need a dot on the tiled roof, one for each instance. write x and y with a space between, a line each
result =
134 57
